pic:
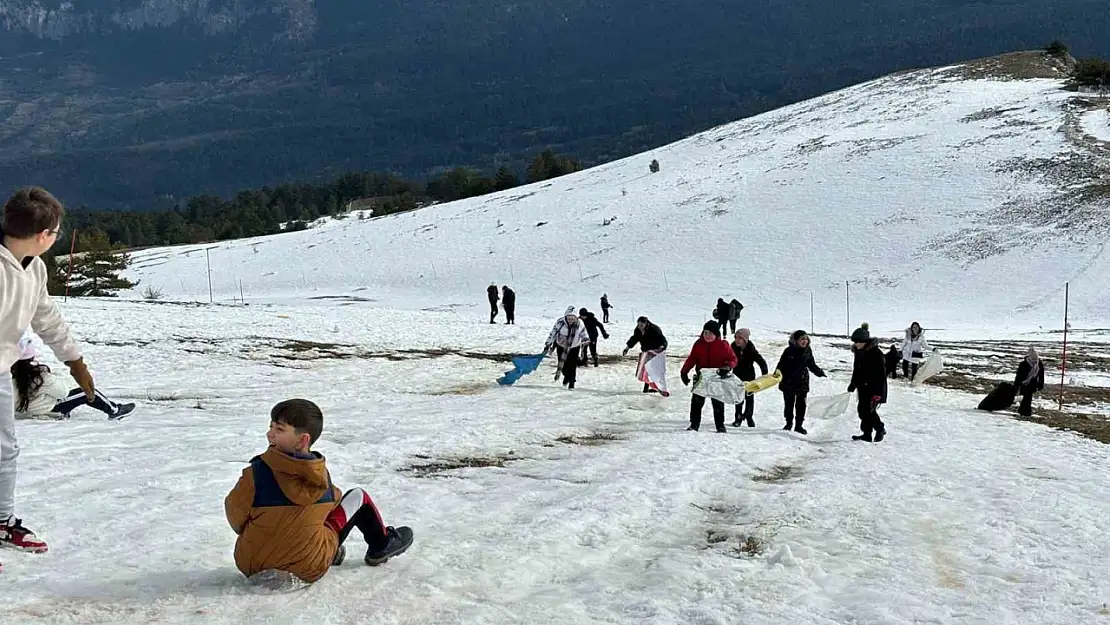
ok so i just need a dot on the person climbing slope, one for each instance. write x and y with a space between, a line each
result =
593 326
869 381
709 356
651 340
795 364
746 358
914 347
569 339
1029 380
605 306
491 295
508 302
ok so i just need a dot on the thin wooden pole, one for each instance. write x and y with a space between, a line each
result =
208 260
1064 359
69 270
847 311
812 329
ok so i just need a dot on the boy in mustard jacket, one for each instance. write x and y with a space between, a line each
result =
288 514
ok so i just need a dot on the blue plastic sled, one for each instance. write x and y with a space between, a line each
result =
522 366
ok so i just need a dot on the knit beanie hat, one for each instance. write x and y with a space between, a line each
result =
712 327
862 334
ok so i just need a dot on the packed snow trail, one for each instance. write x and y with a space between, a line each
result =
957 517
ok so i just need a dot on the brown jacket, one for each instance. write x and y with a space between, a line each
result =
278 509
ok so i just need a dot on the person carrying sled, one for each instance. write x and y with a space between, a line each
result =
569 339
795 364
869 381
593 326
651 339
605 306
914 347
893 358
508 302
287 513
716 357
1029 380
491 294
41 395
746 358
31 222
734 310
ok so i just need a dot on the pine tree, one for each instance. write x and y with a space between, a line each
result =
95 270
505 179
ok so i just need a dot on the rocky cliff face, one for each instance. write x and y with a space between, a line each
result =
59 20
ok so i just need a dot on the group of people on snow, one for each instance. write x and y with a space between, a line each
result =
289 518
508 302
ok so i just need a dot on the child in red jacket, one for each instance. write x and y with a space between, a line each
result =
708 352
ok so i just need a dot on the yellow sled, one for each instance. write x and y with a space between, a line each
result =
763 383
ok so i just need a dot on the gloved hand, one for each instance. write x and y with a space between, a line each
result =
851 388
80 373
547 348
685 379
876 400
724 372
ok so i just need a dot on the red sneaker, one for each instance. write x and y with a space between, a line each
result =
14 536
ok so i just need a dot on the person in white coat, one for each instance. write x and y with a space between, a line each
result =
39 394
570 339
914 348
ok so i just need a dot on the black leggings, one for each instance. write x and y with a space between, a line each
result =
909 369
77 398
697 402
795 406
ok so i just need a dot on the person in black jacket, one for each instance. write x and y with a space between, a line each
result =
721 312
794 365
869 381
1029 380
508 302
605 306
746 358
593 326
650 338
893 360
491 293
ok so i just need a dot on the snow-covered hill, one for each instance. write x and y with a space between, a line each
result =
961 201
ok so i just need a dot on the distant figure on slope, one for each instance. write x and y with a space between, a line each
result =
869 381
893 358
709 353
570 340
289 517
721 312
651 340
794 365
914 347
734 310
746 358
605 306
491 293
41 395
508 301
1029 380
593 326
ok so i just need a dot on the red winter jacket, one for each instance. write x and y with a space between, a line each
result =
709 356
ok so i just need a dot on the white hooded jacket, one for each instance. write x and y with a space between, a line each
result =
42 403
568 336
24 303
915 344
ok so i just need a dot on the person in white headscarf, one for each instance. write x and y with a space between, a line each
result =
1029 380
570 339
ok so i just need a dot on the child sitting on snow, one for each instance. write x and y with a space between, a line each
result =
288 514
40 394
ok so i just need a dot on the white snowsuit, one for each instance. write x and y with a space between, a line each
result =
915 344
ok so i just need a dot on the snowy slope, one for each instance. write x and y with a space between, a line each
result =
958 517
965 204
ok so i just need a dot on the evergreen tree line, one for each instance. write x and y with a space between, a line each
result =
270 210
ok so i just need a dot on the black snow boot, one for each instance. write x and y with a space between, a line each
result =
798 427
880 434
862 437
789 426
340 555
398 539
751 422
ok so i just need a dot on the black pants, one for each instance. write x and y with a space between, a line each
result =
1025 409
745 410
593 351
794 410
510 315
732 324
697 402
356 509
77 398
909 369
869 420
605 315
492 310
569 358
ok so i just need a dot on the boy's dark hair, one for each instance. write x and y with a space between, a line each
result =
304 416
29 211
